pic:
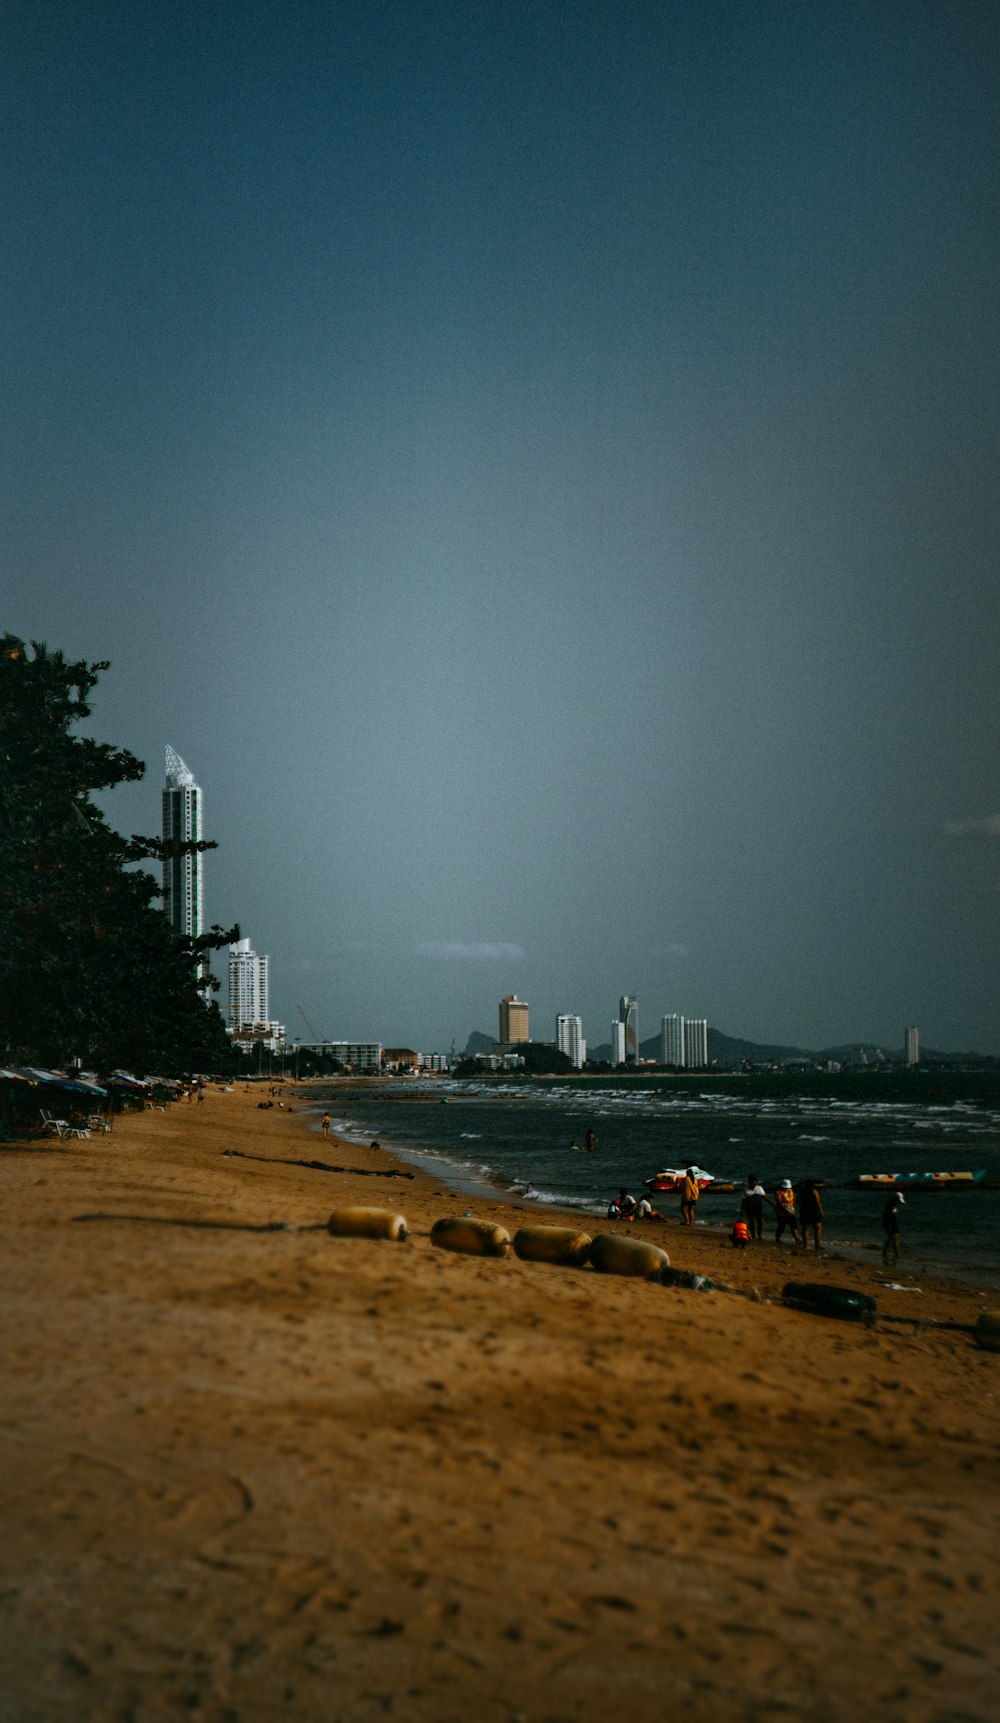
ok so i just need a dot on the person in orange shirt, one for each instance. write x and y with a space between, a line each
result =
784 1208
690 1192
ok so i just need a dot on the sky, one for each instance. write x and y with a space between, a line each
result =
537 464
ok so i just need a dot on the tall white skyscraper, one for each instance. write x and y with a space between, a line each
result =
248 986
182 900
672 1040
628 1013
695 1042
617 1042
569 1039
911 1039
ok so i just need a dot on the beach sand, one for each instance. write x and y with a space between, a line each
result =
256 1475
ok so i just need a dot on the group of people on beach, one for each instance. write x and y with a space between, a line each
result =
798 1210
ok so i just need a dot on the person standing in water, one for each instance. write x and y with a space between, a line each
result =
890 1226
753 1206
811 1214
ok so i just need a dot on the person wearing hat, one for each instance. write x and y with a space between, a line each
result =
890 1225
784 1208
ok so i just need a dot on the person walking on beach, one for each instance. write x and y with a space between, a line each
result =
811 1214
753 1206
690 1192
784 1208
325 1124
890 1225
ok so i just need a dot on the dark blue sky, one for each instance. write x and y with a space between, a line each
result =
538 465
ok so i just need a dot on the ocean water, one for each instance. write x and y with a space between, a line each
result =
515 1141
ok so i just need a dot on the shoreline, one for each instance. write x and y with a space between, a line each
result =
257 1473
476 1184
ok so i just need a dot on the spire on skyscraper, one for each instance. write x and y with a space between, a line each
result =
179 777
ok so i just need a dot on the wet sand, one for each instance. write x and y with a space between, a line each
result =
258 1474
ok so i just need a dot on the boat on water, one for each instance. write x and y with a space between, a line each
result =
921 1181
672 1178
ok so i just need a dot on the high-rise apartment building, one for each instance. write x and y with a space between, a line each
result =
248 986
513 1020
911 1038
695 1042
672 1040
628 1014
569 1040
617 1042
182 897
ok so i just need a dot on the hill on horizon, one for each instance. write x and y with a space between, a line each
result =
731 1051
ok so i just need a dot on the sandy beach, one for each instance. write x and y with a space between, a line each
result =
253 1474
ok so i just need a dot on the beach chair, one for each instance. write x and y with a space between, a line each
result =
62 1127
98 1122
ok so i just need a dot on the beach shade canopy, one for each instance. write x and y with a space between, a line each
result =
88 1086
125 1080
16 1077
59 1080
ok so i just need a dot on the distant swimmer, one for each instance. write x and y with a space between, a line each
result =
590 1141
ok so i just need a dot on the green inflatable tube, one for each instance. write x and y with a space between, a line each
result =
821 1300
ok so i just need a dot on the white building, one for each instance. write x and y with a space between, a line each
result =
569 1039
695 1042
363 1056
182 823
911 1038
628 1013
672 1040
248 986
617 1042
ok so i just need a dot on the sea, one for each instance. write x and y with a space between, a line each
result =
521 1141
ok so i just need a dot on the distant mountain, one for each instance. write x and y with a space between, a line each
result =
726 1050
479 1043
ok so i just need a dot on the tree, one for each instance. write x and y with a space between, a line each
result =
90 968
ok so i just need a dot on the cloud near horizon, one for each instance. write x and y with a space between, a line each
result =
984 828
469 951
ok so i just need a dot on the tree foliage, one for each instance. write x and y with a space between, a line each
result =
90 968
